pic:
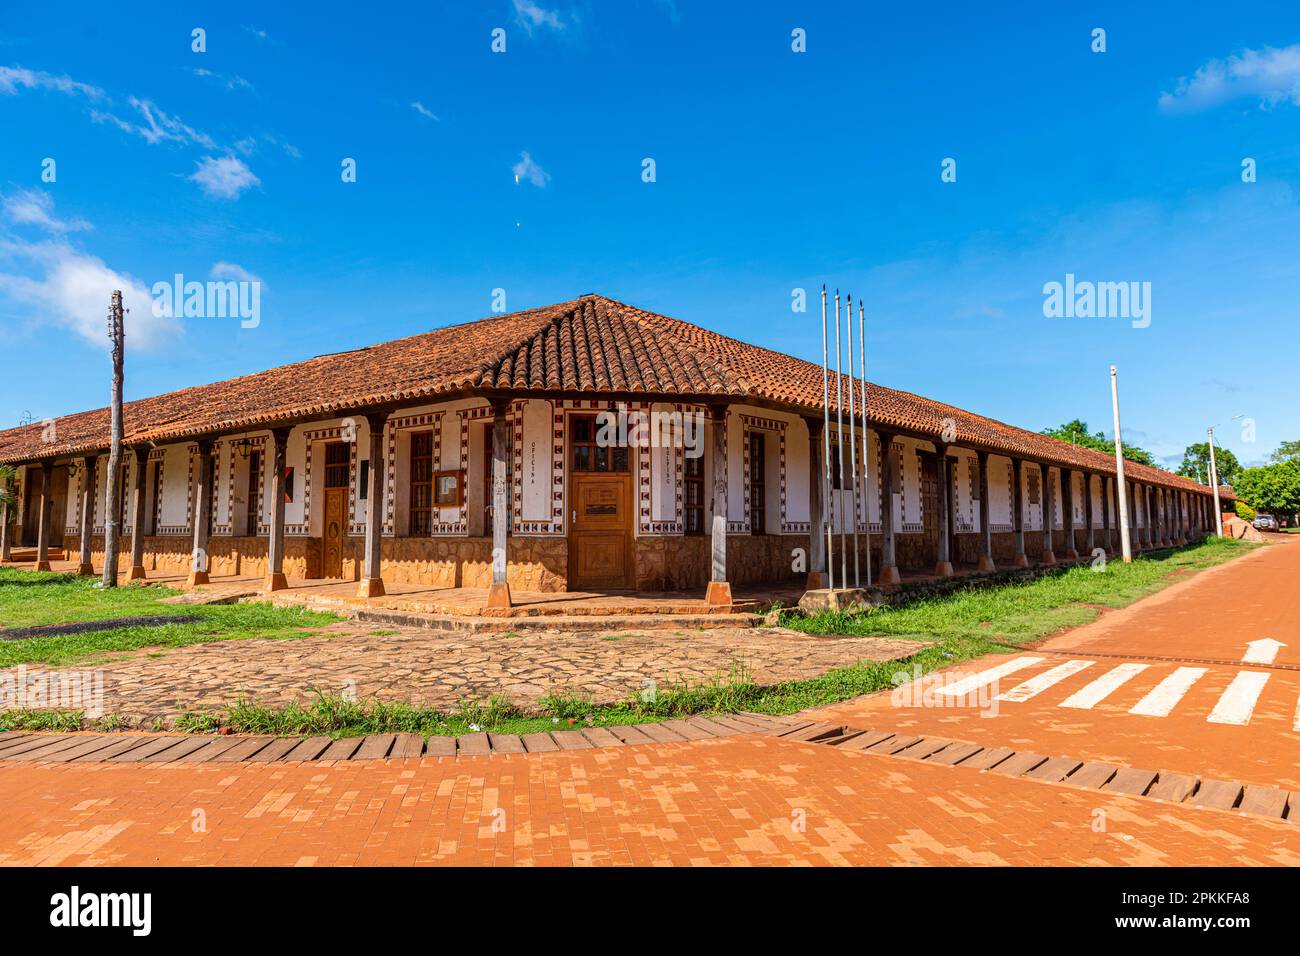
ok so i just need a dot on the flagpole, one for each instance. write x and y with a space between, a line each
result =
853 445
839 433
866 440
826 444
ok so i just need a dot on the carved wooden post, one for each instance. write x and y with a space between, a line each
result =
139 471
499 592
372 579
1090 539
816 519
201 516
1048 508
46 516
85 568
986 533
1018 515
1067 513
943 566
6 510
719 591
275 579
888 544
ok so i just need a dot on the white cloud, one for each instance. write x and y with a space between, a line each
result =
1271 74
256 33
12 78
527 170
230 270
531 16
29 207
232 82
423 110
67 288
224 177
158 125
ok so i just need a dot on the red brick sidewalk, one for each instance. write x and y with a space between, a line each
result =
1209 617
734 801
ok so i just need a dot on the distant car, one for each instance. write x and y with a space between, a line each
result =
1265 523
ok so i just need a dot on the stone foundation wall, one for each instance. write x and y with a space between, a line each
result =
684 563
533 564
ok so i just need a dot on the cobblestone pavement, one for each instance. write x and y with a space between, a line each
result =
1159 685
437 669
736 801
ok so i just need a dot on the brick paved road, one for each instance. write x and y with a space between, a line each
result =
722 802
1158 685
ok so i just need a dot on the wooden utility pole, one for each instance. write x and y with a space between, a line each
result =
113 516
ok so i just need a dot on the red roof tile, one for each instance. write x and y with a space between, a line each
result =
591 344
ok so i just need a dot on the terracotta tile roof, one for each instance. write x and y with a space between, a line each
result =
591 344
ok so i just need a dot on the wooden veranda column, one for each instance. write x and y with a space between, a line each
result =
275 579
139 471
85 568
1018 515
816 518
6 539
1067 513
1134 532
45 518
986 533
1048 507
1105 512
888 545
372 580
719 592
499 592
943 566
1090 539
201 515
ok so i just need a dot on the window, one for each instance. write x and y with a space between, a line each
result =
421 483
693 494
757 483
1033 487
151 512
587 455
337 460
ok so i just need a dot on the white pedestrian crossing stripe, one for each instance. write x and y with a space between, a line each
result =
1164 697
1238 701
1039 683
1104 686
1162 692
974 681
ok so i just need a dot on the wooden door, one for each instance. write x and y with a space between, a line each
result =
336 500
600 534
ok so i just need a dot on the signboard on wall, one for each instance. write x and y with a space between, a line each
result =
535 461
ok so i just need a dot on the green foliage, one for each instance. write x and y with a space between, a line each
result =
1244 511
1196 464
1286 451
1076 433
1273 489
8 477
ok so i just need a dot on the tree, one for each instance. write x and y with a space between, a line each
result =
1273 489
1196 464
1076 433
1287 450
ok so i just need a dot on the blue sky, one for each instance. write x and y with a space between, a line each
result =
775 170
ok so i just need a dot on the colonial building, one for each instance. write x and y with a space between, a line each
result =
588 445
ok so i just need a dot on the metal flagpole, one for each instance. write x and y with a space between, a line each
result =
853 446
826 443
839 434
866 441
